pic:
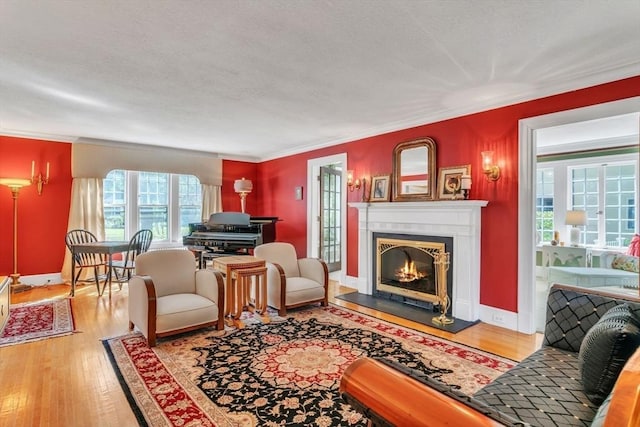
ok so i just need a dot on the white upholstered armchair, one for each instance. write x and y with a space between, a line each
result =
168 295
292 282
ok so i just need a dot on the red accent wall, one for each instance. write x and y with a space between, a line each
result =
42 220
459 141
232 170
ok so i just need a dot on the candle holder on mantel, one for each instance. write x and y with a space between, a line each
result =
465 185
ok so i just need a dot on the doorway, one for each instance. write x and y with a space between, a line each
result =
584 166
526 194
329 222
327 213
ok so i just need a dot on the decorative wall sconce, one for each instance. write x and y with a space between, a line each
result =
39 180
489 167
15 184
465 185
351 183
243 187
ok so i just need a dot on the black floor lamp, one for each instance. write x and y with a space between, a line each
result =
15 184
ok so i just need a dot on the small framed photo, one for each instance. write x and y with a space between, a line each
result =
449 180
380 188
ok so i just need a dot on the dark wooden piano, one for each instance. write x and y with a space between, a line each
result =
229 233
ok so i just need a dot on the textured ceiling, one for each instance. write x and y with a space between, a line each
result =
262 79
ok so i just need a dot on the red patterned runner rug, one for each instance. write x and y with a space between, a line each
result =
36 321
280 373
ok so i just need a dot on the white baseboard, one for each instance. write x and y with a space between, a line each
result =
42 279
350 282
499 317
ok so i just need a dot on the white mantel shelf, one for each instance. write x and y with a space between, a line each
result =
436 204
458 219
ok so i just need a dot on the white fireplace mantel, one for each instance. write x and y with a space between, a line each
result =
458 219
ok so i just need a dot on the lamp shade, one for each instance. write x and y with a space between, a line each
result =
243 186
576 218
15 182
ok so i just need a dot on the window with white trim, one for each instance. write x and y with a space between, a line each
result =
607 192
164 203
605 187
544 204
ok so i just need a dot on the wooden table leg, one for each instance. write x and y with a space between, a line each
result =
261 296
238 288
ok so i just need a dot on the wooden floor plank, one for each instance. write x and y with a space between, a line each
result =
68 381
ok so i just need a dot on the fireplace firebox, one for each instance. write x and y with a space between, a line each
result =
409 268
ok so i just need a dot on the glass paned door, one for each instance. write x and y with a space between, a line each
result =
330 226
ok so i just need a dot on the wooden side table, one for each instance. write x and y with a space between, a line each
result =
243 280
228 264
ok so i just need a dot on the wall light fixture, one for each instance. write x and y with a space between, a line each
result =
489 167
39 179
353 184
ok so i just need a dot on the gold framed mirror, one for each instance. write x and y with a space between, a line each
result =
414 170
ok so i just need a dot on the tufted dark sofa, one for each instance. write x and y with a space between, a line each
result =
545 389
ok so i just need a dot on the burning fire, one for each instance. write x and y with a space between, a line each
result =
409 272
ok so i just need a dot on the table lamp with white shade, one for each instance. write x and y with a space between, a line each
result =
575 218
243 187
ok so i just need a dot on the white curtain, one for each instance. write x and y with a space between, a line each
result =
86 213
211 200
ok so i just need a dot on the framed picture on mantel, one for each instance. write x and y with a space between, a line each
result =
450 180
380 188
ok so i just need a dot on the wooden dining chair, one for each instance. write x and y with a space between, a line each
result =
139 244
86 260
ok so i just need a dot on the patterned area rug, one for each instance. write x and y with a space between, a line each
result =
36 321
279 373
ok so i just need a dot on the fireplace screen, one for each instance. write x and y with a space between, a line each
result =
412 268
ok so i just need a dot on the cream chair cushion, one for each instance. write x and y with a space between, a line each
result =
182 297
292 282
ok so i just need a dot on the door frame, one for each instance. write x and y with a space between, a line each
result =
526 193
313 207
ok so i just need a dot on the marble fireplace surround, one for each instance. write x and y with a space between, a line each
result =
459 219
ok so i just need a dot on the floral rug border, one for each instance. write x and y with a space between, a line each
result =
60 321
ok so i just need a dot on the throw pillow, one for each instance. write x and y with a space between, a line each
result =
626 263
605 349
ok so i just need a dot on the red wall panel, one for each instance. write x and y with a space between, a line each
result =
232 170
42 220
459 141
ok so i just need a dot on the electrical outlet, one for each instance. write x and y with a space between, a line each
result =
498 318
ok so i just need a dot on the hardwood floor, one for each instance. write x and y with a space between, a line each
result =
68 381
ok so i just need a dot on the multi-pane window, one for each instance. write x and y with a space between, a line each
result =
153 203
584 196
608 194
190 203
331 248
604 186
620 203
544 204
115 202
164 203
